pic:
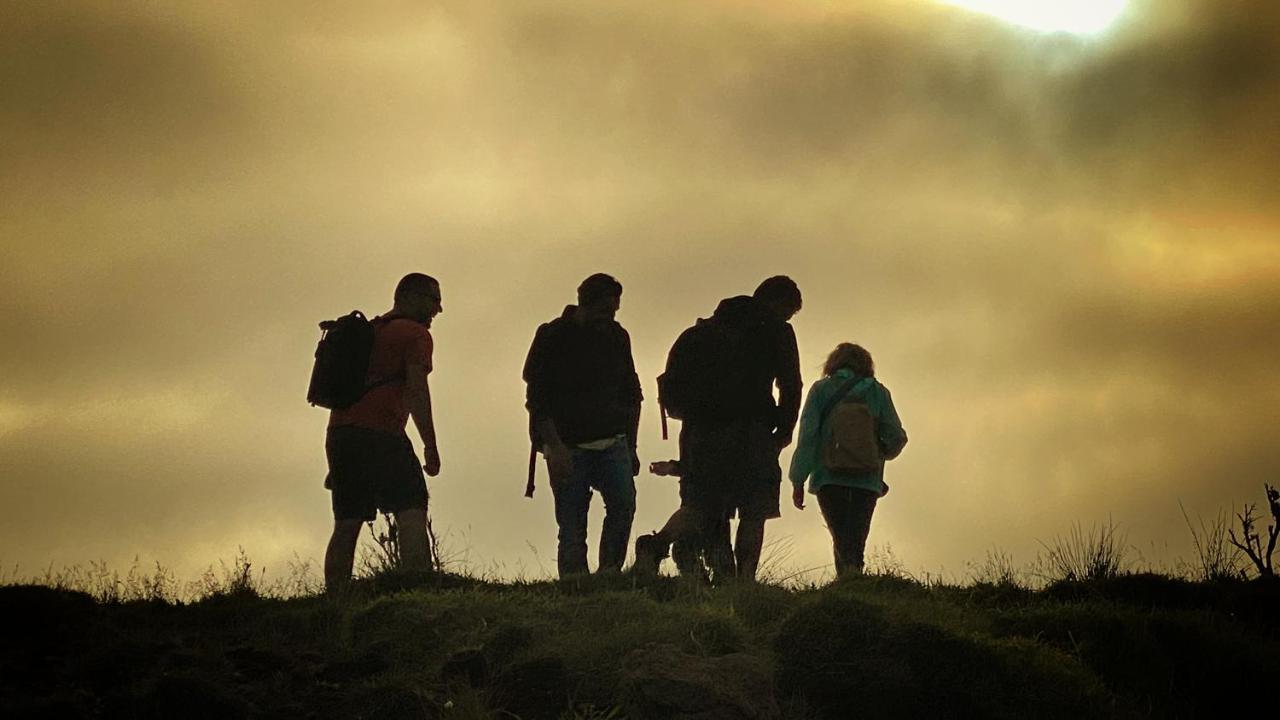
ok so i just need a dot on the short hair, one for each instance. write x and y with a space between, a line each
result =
598 286
415 284
780 289
853 357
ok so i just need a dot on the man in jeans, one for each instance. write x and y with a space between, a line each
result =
372 465
583 397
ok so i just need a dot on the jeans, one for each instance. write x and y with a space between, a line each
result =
848 515
609 472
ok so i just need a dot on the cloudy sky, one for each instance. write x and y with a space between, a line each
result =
1061 248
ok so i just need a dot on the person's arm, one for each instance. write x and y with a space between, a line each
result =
790 386
418 399
889 428
543 432
805 457
633 395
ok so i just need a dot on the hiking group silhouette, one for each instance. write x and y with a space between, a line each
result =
583 397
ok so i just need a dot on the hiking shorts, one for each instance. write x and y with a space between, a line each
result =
711 502
731 465
759 499
371 472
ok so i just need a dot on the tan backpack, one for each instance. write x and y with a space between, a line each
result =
852 445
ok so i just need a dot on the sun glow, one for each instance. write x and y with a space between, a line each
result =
1073 16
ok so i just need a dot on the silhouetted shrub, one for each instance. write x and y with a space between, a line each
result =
851 659
1175 663
1097 553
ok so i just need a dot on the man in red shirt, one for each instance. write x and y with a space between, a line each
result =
372 465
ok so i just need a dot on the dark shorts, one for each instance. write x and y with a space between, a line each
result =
371 471
712 502
732 466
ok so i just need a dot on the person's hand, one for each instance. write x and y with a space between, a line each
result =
431 460
635 463
663 468
797 496
559 463
781 440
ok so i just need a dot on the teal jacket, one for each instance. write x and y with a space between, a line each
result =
806 461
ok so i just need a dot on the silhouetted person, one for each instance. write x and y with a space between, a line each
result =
729 449
372 465
691 528
829 444
583 397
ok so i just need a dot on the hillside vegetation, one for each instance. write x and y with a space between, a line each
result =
444 646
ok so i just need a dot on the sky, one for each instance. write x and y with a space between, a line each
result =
1060 248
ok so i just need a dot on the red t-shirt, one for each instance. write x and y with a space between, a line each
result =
397 343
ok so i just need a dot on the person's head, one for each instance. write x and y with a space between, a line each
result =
853 357
418 296
599 297
780 295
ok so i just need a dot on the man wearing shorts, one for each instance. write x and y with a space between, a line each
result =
729 458
372 465
768 425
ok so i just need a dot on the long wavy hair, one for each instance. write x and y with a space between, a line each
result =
854 357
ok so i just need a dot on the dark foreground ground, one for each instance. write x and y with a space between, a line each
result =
400 647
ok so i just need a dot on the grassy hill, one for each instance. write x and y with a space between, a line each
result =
399 646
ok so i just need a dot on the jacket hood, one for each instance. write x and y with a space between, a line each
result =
567 318
740 309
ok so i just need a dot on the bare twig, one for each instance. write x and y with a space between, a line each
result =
1250 542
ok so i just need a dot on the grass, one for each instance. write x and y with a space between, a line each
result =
1082 633
1094 554
609 647
1215 558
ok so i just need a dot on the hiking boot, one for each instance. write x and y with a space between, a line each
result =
650 551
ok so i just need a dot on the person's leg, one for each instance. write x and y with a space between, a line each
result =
760 491
612 477
415 546
340 555
684 531
834 502
847 512
716 546
402 490
349 452
748 544
862 505
653 548
572 499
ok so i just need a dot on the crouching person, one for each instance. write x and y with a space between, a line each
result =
848 429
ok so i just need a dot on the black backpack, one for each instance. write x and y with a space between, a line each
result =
705 378
339 376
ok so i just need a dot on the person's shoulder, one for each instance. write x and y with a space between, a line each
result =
554 326
778 326
552 332
405 327
615 328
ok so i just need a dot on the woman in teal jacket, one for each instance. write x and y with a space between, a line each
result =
847 500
